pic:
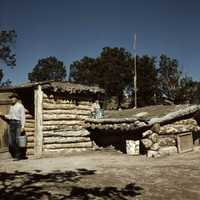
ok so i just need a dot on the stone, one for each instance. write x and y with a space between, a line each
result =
153 154
190 121
154 120
147 143
156 128
141 124
167 150
167 141
168 129
141 114
18 185
155 147
147 133
154 137
95 146
7 183
51 96
196 148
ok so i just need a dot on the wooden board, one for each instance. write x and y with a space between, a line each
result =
185 142
133 147
38 96
4 108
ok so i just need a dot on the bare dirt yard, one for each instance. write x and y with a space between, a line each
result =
102 175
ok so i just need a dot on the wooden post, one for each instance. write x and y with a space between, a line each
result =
38 96
135 73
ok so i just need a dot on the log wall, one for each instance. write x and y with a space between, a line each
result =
30 132
63 124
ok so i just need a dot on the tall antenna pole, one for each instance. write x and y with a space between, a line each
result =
135 71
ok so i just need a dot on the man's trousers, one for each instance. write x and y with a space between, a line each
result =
14 133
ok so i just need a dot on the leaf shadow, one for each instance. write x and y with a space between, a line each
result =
59 185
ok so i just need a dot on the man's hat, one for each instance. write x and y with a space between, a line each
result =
14 95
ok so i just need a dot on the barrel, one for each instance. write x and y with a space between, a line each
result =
22 141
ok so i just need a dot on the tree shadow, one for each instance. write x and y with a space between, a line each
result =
59 186
130 190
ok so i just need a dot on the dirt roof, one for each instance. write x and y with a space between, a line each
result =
140 122
71 87
148 111
56 86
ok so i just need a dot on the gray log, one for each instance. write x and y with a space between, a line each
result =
60 140
65 133
70 145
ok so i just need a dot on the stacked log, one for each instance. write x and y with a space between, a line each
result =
63 125
30 132
122 124
65 150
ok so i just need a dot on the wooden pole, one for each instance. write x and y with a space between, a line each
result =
135 73
38 96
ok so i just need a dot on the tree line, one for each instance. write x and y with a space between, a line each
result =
158 78
7 57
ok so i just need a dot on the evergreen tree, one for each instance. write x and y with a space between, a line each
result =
49 68
169 76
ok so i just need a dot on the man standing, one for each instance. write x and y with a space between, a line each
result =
16 119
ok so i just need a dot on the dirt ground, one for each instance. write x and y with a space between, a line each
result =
102 175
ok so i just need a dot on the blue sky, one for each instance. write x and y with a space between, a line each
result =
71 29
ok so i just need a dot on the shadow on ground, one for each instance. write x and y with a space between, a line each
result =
59 185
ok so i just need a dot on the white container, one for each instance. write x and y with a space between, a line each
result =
22 141
133 147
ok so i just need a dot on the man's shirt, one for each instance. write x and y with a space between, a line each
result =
17 112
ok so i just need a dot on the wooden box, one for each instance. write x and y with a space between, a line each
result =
184 142
133 147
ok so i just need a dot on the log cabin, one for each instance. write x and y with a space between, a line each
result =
55 115
58 121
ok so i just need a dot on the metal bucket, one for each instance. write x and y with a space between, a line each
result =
22 141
